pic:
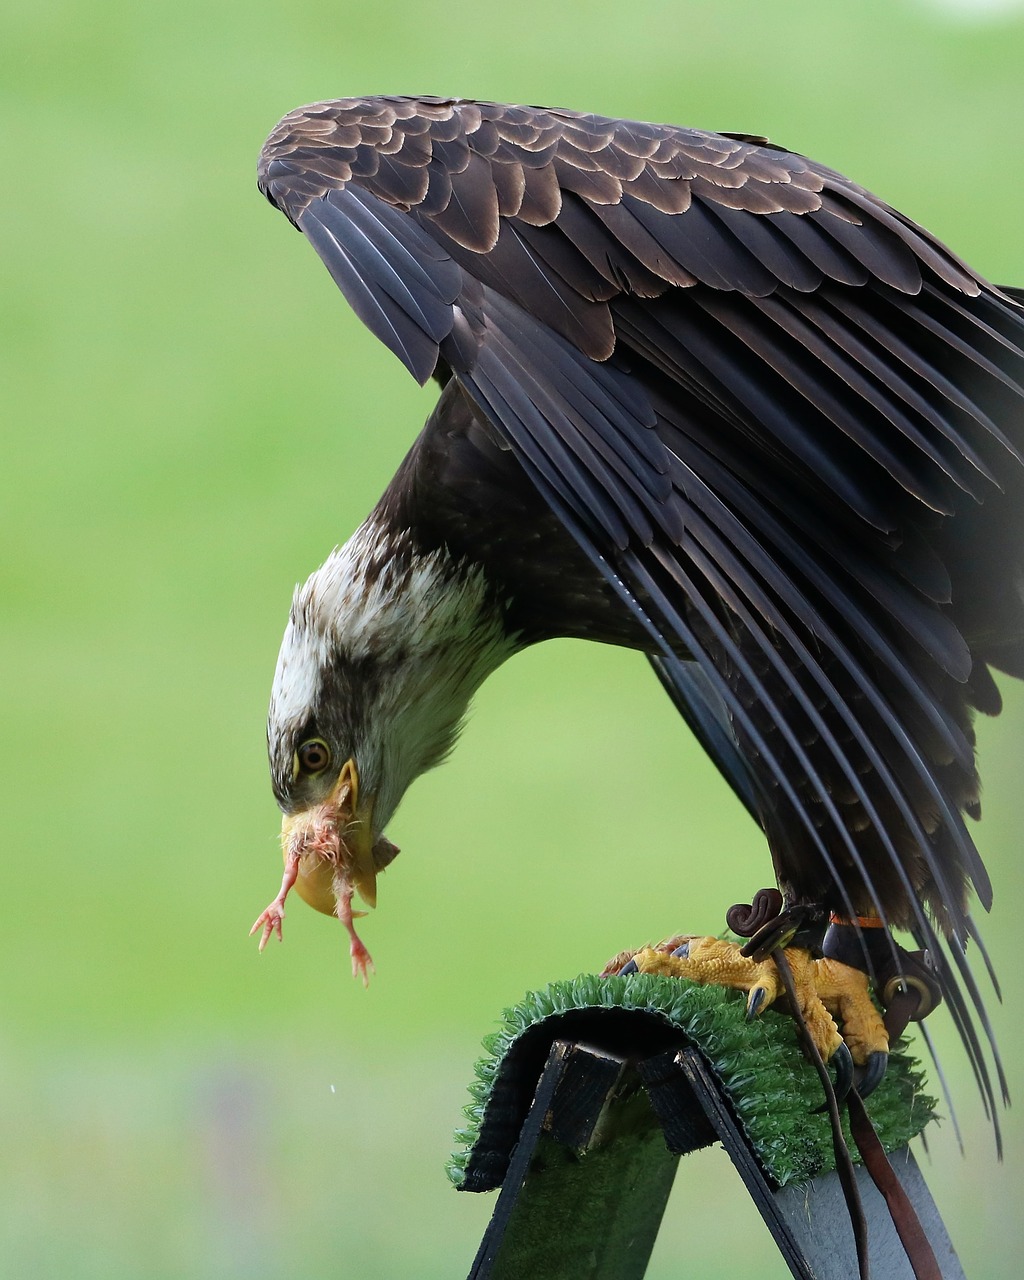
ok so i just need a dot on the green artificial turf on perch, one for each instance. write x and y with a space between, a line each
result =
773 1090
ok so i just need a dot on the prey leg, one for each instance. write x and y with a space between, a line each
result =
270 920
362 963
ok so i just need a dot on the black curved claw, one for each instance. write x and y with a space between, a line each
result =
869 1077
842 1060
755 999
628 968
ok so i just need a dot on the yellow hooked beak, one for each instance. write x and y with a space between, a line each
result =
333 841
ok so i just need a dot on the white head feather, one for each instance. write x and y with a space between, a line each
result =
425 625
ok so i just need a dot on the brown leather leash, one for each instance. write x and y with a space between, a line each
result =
908 1225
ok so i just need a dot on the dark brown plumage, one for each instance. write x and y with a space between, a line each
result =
708 399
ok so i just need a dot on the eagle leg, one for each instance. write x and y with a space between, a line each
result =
862 952
844 991
853 952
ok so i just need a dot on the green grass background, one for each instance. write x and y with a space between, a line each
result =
191 418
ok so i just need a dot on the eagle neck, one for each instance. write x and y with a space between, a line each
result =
415 631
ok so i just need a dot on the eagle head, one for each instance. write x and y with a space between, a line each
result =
384 648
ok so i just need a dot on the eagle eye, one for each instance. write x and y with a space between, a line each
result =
313 756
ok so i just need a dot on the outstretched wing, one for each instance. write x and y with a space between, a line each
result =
781 419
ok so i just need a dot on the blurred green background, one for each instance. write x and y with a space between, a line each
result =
191 419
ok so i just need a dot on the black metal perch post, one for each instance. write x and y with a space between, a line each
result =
584 1140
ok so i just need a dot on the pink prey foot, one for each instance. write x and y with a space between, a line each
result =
270 920
362 963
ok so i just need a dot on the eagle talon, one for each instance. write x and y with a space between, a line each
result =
872 1073
842 1061
755 1002
843 1064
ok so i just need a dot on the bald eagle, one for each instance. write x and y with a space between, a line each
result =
701 397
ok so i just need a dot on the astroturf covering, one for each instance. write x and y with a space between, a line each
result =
774 1091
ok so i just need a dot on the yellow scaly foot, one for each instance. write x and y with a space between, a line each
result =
827 992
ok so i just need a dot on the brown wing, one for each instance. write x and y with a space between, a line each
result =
781 419
482 178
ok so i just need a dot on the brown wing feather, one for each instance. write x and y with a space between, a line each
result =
459 165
